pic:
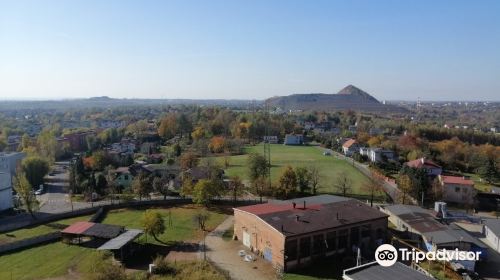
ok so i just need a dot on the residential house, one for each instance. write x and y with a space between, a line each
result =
77 141
8 167
350 147
422 226
295 233
432 168
491 230
381 155
123 177
271 139
364 151
294 139
457 189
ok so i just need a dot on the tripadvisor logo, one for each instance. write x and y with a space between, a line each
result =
387 255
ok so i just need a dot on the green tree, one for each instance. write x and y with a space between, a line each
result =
405 186
303 179
35 168
257 165
47 144
204 191
101 183
25 192
153 224
287 184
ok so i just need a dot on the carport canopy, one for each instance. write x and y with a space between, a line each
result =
121 240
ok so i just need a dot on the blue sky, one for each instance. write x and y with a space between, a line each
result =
435 50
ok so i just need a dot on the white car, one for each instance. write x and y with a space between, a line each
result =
249 258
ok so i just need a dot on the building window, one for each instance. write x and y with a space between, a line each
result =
318 244
343 239
305 247
291 250
331 239
126 177
457 189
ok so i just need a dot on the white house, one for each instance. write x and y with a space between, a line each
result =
350 147
378 155
8 165
491 230
5 191
294 139
271 139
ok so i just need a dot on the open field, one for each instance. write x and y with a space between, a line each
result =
38 230
329 166
183 225
57 259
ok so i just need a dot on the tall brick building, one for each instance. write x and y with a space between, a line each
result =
294 233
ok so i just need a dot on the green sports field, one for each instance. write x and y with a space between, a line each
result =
329 166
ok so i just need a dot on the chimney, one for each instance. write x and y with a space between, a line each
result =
294 205
297 218
304 204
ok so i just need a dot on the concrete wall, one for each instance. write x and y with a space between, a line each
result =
465 194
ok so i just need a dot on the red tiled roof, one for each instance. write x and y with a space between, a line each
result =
422 162
349 143
266 208
457 180
78 228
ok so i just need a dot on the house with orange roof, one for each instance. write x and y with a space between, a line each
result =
457 189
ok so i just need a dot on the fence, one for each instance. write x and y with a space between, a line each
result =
30 242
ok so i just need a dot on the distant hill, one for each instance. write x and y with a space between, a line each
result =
349 97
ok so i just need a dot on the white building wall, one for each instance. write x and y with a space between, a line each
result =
5 191
492 239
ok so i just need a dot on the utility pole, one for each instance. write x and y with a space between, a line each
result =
267 145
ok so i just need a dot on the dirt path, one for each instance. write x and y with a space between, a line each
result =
224 254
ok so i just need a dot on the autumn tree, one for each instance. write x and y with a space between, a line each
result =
217 144
26 195
153 224
141 185
405 187
287 183
188 160
168 126
236 187
315 178
343 183
373 186
261 186
35 168
161 185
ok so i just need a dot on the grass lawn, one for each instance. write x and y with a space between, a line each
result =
38 230
56 259
183 226
41 262
329 166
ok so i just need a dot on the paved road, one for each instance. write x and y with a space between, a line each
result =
224 254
